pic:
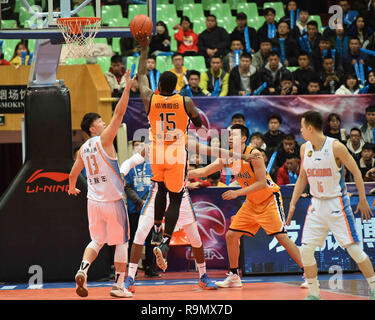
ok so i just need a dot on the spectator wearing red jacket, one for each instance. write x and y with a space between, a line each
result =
186 38
289 172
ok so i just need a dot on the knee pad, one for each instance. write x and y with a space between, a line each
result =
307 254
192 233
121 253
95 246
356 252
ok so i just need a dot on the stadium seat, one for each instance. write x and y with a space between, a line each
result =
135 9
71 61
130 61
221 10
318 19
116 45
163 1
180 3
101 40
195 63
24 16
19 4
166 12
208 4
233 4
104 63
164 63
118 22
193 11
87 11
199 25
292 69
31 44
110 12
228 23
9 24
256 22
278 6
250 9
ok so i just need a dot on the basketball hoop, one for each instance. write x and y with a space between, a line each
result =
79 34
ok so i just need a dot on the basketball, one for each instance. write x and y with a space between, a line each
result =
141 23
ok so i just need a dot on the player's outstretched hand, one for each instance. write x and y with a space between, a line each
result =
129 80
364 207
73 191
143 39
230 194
292 208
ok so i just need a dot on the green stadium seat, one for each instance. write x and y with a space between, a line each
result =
193 11
118 22
110 12
292 69
233 4
135 9
221 10
228 23
163 1
9 24
164 63
166 12
31 44
250 9
71 61
87 11
130 61
195 63
209 4
318 19
24 16
256 22
104 63
116 45
278 6
101 40
180 3
8 53
199 25
19 4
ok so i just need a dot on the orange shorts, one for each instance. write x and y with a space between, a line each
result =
169 165
269 215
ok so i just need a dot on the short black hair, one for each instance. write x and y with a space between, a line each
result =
244 130
268 10
313 23
304 54
215 175
289 136
211 15
356 129
275 116
274 53
241 16
176 54
87 121
193 73
246 55
168 81
370 108
314 119
354 38
293 155
238 116
257 134
116 58
263 40
151 56
368 146
216 56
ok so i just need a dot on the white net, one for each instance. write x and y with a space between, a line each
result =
79 34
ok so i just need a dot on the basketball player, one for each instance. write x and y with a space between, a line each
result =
169 116
322 166
187 220
108 220
263 206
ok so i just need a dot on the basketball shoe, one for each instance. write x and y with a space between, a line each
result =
81 284
160 253
232 281
129 284
120 292
157 236
206 283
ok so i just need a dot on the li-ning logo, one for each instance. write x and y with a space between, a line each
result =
43 188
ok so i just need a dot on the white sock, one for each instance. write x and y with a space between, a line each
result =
132 270
371 282
119 278
201 268
313 286
85 265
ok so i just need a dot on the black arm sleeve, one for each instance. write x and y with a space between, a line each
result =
197 121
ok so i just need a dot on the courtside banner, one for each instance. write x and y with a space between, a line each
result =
263 254
216 112
12 99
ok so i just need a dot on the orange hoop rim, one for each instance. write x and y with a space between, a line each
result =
75 24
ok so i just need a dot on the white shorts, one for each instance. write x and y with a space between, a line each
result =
334 215
108 222
186 217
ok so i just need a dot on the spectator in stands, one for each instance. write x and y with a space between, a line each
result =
314 87
362 6
349 15
17 55
333 128
260 59
3 62
239 32
271 73
274 136
338 38
371 82
7 10
360 30
257 141
368 127
264 155
324 50
367 161
179 70
354 55
161 41
300 29
288 173
116 76
215 81
129 47
289 6
291 50
151 68
355 143
350 85
193 78
269 28
241 78
313 36
237 118
304 73
134 90
287 85
213 180
370 16
213 41
229 61
187 39
329 77
369 44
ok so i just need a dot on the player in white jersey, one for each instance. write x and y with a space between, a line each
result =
322 166
187 220
108 219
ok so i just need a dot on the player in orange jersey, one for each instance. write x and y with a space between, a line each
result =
263 206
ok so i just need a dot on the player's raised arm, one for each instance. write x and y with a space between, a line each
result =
193 112
74 173
144 88
216 166
343 155
110 132
298 188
